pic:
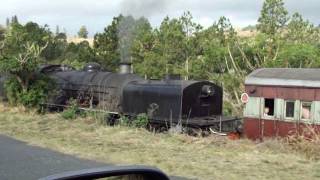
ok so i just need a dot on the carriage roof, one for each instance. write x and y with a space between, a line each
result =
293 77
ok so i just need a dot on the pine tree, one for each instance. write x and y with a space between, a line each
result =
57 30
83 32
7 22
14 19
273 17
106 45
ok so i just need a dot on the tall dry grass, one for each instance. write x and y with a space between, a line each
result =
306 143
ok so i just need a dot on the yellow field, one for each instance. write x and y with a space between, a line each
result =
78 40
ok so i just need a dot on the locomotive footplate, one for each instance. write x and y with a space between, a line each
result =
214 123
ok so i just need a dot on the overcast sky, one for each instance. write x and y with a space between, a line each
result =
96 14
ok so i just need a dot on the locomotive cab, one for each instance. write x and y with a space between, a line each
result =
201 99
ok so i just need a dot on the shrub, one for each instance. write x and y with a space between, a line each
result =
34 96
124 121
141 121
71 111
12 89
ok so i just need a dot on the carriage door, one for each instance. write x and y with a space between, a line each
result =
252 114
270 116
289 117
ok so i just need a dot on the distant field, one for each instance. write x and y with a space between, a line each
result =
179 155
78 40
246 33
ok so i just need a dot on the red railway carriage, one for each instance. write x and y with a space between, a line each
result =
282 102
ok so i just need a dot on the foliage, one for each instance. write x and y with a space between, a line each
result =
2 32
56 48
297 56
273 17
12 88
124 120
302 31
83 32
19 60
72 111
34 96
106 45
14 19
77 55
141 50
141 121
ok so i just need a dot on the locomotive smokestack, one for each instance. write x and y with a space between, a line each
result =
125 68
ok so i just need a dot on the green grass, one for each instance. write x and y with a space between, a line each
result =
178 155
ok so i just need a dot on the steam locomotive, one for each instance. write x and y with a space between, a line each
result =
167 102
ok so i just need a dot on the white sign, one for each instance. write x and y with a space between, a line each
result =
244 98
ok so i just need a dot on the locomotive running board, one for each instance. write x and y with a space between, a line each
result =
200 122
80 108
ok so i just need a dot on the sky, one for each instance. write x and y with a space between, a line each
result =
97 14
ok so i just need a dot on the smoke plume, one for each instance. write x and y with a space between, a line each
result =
134 9
146 8
126 35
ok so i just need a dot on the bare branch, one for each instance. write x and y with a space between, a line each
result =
235 67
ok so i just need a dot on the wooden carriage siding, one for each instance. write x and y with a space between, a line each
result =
297 88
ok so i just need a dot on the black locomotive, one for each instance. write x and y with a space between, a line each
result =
167 102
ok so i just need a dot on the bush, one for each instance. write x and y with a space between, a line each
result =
12 91
72 111
124 121
227 108
34 96
141 121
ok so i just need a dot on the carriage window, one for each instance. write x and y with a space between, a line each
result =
289 110
268 109
306 110
252 108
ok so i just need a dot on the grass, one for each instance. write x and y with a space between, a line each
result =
178 155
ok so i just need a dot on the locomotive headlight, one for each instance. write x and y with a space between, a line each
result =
207 90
